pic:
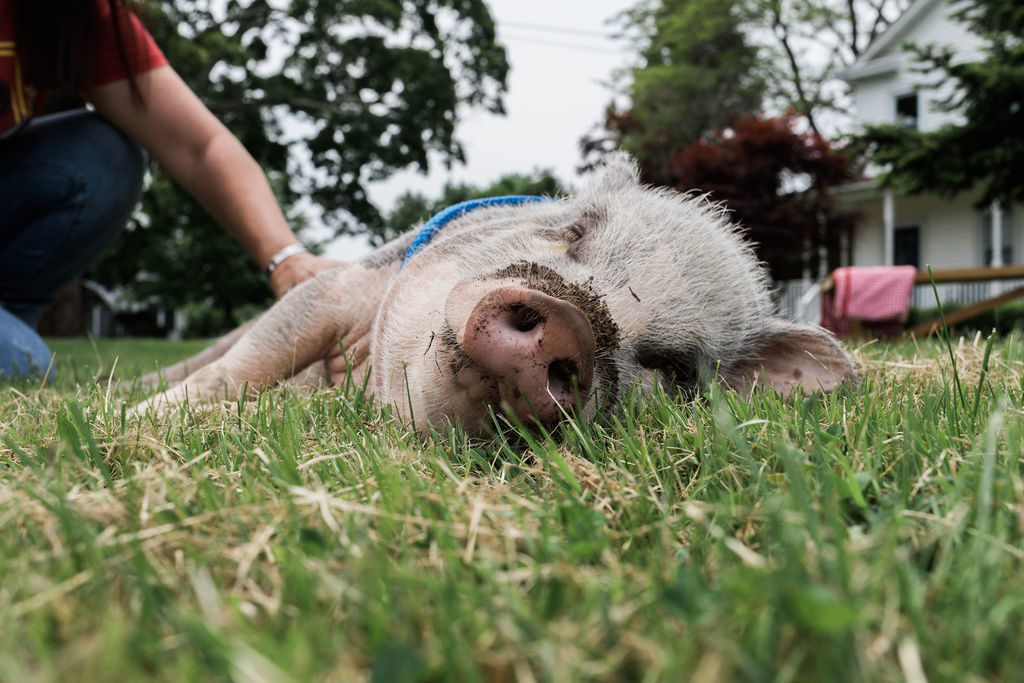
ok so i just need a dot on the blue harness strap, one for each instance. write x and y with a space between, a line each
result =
443 218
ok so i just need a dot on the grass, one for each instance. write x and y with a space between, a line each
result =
874 534
79 361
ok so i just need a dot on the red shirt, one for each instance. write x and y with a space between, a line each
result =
19 100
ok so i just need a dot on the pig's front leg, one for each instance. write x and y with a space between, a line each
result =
303 327
180 370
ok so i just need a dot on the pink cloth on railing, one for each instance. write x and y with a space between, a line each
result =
876 295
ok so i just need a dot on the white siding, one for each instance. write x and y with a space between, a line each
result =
874 97
951 231
868 238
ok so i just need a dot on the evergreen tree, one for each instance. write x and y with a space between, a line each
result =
987 148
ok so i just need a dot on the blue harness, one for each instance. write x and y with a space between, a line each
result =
443 218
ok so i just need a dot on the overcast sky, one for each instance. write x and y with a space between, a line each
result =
557 91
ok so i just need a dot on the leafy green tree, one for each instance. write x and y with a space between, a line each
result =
327 95
707 73
413 208
696 71
702 62
987 148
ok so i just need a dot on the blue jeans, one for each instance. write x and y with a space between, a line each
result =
68 184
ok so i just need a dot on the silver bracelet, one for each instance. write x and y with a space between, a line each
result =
282 256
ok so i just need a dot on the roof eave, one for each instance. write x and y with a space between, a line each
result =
894 32
876 67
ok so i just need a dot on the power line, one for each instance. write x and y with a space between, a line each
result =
565 46
565 30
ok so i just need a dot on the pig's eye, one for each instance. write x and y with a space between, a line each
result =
573 234
673 368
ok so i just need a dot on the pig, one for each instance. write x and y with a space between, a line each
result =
540 308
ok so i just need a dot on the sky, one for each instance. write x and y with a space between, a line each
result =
562 59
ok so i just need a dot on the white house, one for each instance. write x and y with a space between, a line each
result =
920 230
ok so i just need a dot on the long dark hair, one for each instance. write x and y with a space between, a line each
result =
59 40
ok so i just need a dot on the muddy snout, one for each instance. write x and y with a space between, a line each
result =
539 349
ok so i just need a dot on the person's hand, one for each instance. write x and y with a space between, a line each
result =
297 269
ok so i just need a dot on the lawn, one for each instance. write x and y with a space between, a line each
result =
81 360
874 534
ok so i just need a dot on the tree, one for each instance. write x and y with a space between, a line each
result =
703 62
987 148
775 182
708 71
413 208
326 95
696 71
804 44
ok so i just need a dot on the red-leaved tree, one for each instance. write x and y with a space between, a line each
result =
776 182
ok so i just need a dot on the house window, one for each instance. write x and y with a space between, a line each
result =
906 110
986 236
906 246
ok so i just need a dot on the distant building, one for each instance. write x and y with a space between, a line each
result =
920 230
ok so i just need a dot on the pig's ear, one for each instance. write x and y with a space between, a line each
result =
617 173
786 356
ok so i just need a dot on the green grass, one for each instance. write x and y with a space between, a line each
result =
81 360
874 534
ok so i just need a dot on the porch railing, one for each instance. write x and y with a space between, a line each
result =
790 293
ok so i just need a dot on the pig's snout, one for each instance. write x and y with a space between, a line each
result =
539 349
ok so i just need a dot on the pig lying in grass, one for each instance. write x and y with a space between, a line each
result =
542 308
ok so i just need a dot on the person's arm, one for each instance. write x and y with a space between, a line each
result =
184 137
